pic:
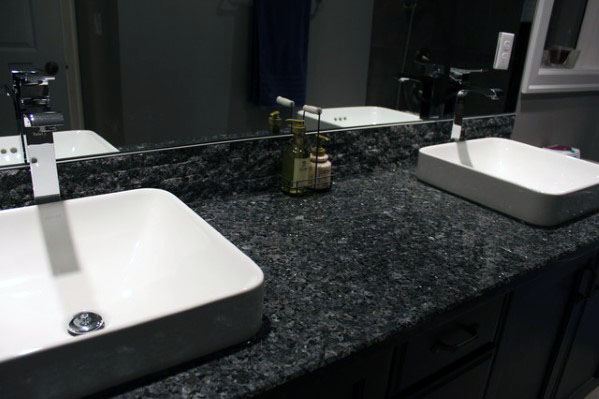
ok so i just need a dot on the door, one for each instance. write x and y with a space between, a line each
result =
31 35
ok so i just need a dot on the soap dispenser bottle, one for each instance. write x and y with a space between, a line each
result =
320 166
295 179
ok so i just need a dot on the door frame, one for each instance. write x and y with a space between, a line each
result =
71 70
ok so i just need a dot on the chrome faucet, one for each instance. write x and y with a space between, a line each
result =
36 121
458 116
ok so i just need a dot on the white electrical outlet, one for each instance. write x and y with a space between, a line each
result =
503 52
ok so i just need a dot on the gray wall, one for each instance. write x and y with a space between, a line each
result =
98 42
192 78
565 119
568 119
339 53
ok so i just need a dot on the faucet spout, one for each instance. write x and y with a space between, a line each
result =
36 120
39 128
458 115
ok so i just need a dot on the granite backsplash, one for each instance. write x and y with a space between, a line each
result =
210 170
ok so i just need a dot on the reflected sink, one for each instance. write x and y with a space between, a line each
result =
332 118
168 286
536 185
80 143
67 144
11 150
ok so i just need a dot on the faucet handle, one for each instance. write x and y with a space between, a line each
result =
48 121
30 77
491 93
51 68
405 79
39 126
498 93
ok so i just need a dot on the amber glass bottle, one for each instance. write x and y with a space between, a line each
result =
295 163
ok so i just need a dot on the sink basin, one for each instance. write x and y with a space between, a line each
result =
535 185
67 144
168 286
11 150
80 143
332 118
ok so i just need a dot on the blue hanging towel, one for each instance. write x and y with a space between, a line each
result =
280 51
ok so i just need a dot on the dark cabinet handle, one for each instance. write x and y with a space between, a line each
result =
456 338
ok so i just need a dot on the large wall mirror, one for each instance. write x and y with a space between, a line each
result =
145 74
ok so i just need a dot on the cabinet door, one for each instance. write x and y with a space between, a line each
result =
364 376
578 370
444 345
533 329
582 366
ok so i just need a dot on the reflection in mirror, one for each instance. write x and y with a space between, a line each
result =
143 74
11 150
67 144
562 35
447 46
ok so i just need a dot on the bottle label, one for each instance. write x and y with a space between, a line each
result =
301 171
321 175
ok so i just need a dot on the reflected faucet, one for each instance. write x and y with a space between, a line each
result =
401 83
458 117
36 121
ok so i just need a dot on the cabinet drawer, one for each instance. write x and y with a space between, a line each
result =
467 382
442 345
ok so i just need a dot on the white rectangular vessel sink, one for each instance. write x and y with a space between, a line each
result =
529 183
168 287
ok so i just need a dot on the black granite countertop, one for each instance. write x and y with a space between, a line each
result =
373 258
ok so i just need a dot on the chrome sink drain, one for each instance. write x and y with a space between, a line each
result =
84 322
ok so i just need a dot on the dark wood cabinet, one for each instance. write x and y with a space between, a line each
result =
581 368
531 330
437 352
575 370
549 345
364 376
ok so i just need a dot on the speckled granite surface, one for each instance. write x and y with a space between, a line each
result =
378 255
344 270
